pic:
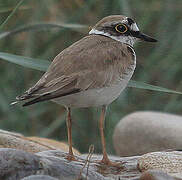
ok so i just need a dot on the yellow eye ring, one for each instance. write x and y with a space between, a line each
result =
121 28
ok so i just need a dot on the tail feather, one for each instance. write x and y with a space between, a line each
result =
49 96
36 100
24 96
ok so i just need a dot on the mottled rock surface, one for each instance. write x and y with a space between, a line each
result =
169 162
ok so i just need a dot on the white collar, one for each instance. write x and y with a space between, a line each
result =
123 39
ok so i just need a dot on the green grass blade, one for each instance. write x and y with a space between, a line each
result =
37 64
11 14
42 65
142 85
7 9
43 27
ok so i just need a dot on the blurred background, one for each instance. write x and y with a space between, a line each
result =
158 64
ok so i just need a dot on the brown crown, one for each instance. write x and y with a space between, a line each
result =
109 19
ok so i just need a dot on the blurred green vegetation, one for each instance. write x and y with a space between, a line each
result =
158 64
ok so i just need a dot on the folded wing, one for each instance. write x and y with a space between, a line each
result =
93 62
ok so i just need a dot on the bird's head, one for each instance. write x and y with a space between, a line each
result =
120 28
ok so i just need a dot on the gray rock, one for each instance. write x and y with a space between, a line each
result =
39 177
52 165
55 164
16 164
147 131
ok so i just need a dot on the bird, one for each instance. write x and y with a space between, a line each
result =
92 72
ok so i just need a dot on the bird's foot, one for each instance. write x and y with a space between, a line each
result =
107 162
71 157
105 166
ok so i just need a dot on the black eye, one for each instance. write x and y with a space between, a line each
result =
121 28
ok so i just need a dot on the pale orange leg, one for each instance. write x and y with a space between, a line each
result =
69 127
105 160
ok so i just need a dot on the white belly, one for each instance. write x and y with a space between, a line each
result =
93 97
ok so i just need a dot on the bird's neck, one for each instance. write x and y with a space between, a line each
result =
123 39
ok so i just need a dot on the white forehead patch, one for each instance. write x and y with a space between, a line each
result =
134 27
125 20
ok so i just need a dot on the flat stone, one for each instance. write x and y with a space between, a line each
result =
17 164
146 131
52 164
31 144
40 177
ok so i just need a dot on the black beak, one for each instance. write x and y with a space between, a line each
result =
143 36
